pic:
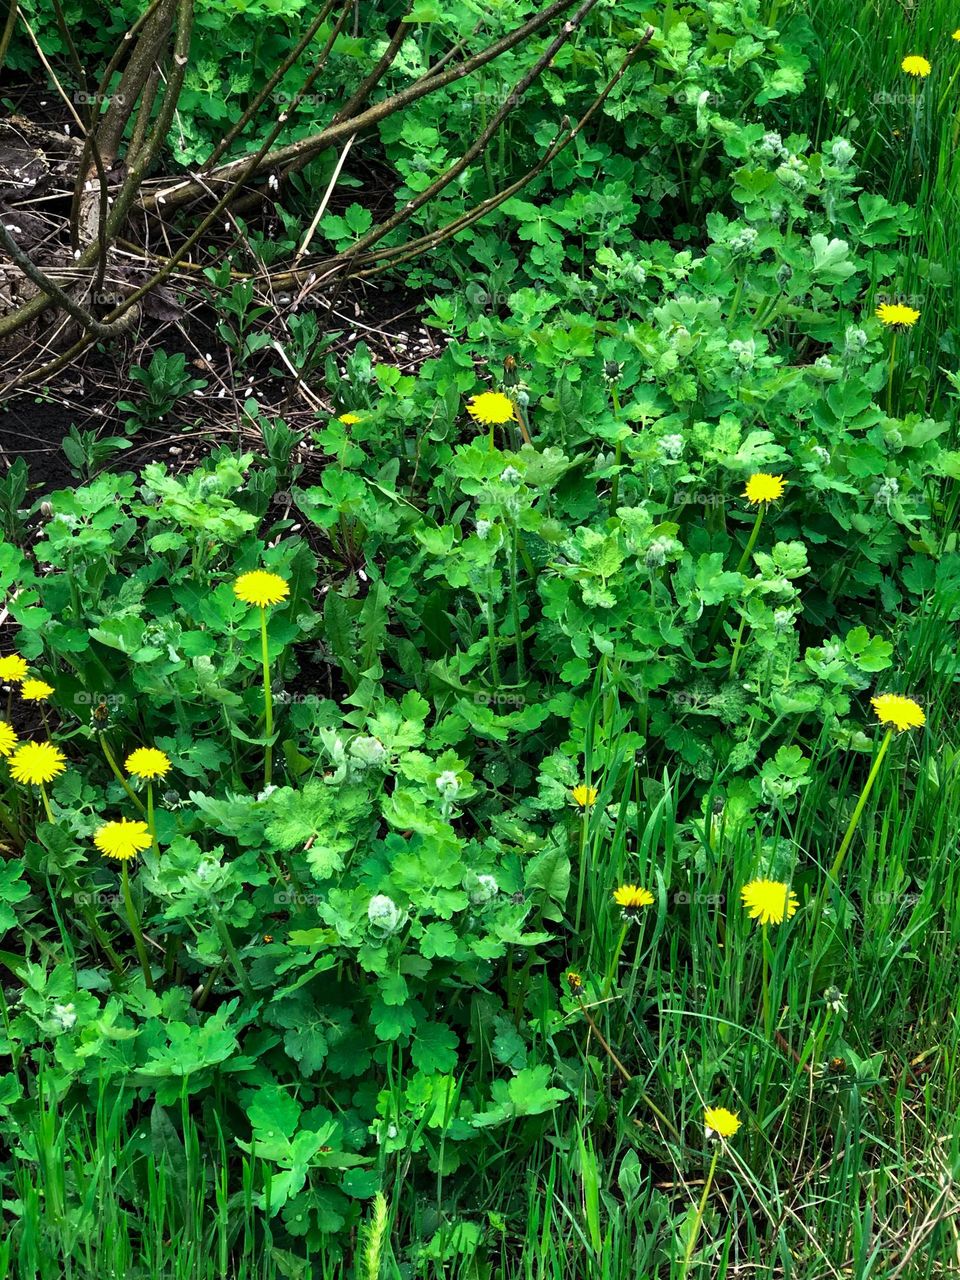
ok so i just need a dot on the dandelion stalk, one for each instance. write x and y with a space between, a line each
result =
701 1210
46 805
631 899
618 454
134 921
267 700
615 960
761 489
895 315
515 600
864 795
262 589
147 763
752 540
115 770
151 821
951 82
893 361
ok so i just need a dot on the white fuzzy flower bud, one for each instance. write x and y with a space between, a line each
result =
384 914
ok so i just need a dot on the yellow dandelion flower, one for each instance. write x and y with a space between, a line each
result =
35 690
914 65
147 762
956 35
574 982
895 314
8 739
36 763
349 419
123 840
261 588
720 1121
769 901
899 713
632 898
764 488
491 408
584 796
13 668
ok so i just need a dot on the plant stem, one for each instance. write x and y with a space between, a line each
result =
766 981
615 487
735 656
752 540
46 805
119 776
514 592
234 955
492 632
644 1098
151 821
267 700
747 551
868 787
134 922
701 1209
893 356
611 972
584 829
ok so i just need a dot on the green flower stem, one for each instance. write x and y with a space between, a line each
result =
234 956
618 456
754 534
46 805
893 357
119 776
492 632
134 921
515 599
151 821
581 861
747 552
701 1209
267 699
612 970
950 83
735 656
764 943
864 794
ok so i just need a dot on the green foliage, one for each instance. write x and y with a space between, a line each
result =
515 669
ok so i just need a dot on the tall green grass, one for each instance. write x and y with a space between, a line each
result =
906 132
